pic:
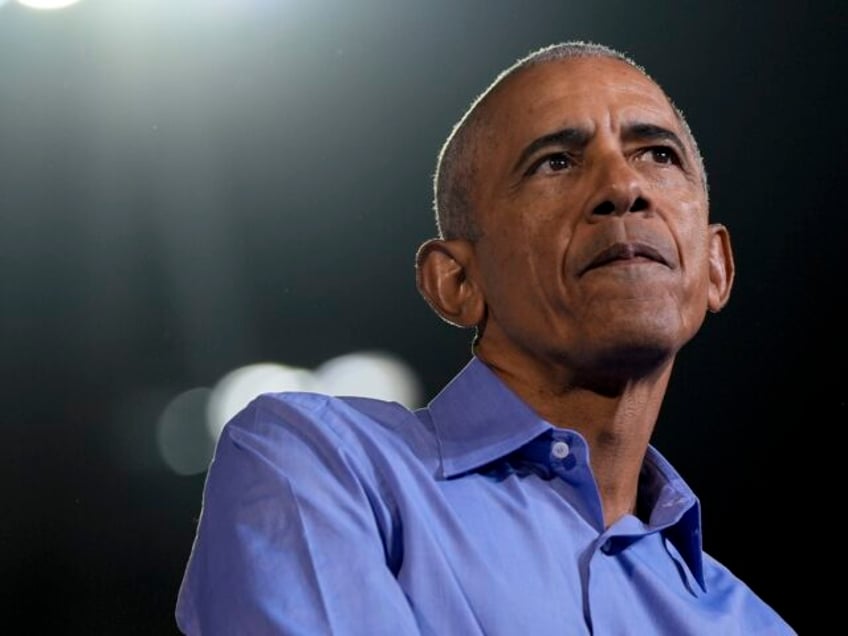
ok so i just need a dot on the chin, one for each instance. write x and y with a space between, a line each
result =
642 341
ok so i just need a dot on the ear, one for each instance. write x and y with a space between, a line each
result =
444 274
722 268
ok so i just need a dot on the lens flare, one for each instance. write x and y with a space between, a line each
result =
47 4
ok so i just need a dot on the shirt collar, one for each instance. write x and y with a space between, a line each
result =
477 419
675 508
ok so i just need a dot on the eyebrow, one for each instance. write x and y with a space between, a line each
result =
579 138
651 132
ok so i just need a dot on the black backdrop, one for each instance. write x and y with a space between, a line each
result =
187 187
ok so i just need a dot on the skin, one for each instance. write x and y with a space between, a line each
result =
597 261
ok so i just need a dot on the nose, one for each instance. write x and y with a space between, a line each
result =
619 189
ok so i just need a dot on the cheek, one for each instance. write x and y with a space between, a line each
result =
668 178
497 259
526 231
694 246
686 217
522 259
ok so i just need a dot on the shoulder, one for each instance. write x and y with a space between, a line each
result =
340 417
291 422
749 608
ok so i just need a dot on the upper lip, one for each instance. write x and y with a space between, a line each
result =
625 251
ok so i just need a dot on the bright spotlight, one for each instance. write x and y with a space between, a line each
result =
238 387
370 374
47 4
364 374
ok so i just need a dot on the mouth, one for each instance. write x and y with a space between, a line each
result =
625 253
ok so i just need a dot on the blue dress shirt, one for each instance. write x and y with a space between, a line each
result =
351 516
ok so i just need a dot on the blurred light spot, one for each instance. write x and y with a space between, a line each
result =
47 4
181 433
232 392
370 374
191 424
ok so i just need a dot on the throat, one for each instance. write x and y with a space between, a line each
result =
616 463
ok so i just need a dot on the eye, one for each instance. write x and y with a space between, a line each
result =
663 155
549 164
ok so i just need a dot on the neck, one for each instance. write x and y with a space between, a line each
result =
617 425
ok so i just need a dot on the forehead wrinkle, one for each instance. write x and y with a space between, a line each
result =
490 108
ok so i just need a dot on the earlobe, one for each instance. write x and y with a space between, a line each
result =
722 267
445 279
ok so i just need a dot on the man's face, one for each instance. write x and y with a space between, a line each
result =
595 240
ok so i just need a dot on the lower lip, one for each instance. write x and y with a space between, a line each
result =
626 262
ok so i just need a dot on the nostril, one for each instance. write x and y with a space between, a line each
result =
638 205
602 209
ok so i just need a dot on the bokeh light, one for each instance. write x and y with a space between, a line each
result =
181 432
372 374
191 423
47 4
238 387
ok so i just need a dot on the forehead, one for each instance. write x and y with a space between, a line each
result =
587 92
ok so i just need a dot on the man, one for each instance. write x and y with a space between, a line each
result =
574 238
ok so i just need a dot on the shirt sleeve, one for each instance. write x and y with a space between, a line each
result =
288 541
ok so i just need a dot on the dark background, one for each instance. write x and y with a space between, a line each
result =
189 187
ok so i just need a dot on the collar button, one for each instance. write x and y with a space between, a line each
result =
560 450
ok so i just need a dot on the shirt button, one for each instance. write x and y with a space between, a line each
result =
560 450
606 548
